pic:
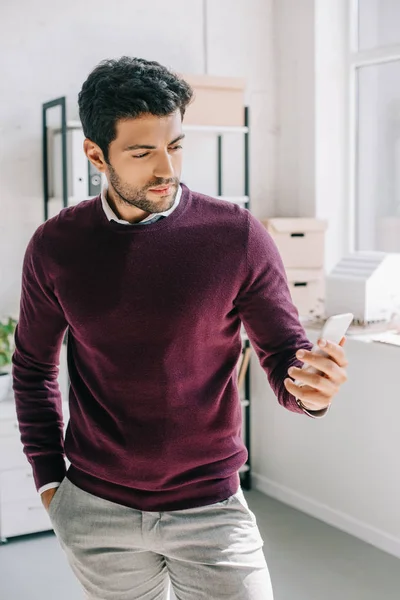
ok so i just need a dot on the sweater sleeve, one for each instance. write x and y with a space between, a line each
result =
38 339
267 312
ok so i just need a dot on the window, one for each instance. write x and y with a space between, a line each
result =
375 77
378 23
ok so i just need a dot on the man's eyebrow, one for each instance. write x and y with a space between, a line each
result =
146 147
178 139
139 147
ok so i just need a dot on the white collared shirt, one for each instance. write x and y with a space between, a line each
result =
111 216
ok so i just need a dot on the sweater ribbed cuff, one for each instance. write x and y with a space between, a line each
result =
48 468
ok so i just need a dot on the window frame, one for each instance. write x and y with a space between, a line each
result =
357 59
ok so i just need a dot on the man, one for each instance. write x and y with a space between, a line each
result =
153 282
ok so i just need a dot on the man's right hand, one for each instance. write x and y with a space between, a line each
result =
47 497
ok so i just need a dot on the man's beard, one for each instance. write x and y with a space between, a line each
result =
132 196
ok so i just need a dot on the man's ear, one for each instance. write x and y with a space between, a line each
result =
95 155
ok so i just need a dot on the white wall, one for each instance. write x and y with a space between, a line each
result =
331 125
52 46
311 48
295 33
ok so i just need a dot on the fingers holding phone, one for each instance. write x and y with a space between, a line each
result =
324 367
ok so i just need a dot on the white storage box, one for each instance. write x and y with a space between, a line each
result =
301 242
307 287
218 101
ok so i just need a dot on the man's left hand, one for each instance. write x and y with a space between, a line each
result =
318 389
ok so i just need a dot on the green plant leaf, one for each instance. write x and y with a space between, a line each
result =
7 330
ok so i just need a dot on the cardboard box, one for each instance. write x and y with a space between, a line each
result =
307 288
301 242
218 101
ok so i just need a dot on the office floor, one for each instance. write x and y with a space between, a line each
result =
308 560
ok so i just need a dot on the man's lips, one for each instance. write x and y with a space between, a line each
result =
161 190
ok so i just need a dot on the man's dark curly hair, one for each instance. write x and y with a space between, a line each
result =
128 88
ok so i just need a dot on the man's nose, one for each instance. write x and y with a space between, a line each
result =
164 168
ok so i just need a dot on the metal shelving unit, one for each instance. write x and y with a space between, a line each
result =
244 201
58 102
245 471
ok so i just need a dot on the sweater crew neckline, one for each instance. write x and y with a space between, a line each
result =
145 227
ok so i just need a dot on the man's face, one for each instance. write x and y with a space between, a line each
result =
146 154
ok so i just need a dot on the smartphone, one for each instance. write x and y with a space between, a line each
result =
334 329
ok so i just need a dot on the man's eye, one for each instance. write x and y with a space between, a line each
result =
147 153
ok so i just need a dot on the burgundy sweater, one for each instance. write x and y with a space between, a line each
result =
153 315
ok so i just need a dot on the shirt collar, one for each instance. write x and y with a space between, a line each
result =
111 216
